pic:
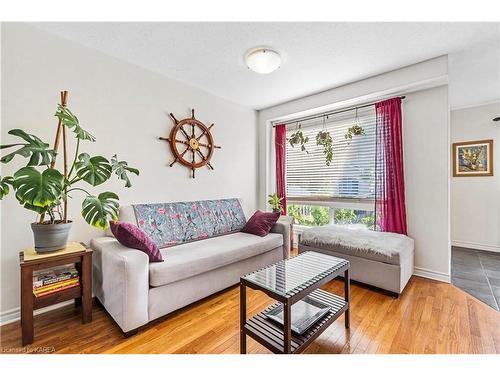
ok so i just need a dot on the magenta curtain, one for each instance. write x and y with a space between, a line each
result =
390 208
280 147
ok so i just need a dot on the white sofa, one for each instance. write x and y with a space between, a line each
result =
135 292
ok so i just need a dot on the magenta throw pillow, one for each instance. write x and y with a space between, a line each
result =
130 236
261 223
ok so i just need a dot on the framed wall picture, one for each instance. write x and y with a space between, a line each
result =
474 158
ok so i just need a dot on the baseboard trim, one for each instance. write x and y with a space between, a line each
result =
13 315
434 275
476 246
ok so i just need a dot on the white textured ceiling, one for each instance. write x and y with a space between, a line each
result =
474 74
317 56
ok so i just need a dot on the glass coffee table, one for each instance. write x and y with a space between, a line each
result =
288 282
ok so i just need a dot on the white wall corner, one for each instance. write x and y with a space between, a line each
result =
430 274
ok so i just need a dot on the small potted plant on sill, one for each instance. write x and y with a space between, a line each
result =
46 192
275 202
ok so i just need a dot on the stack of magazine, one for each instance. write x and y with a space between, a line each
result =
47 282
305 313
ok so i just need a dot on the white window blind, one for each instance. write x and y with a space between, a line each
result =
351 173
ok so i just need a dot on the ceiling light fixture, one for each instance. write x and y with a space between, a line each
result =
263 60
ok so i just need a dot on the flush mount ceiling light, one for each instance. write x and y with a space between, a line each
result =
263 60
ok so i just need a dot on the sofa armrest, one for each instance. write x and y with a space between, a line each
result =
121 282
283 227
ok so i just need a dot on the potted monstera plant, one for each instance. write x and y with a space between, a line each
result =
41 187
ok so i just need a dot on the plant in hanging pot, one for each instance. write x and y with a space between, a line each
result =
298 138
354 130
46 191
323 138
275 202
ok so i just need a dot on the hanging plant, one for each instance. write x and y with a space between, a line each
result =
323 138
354 130
298 138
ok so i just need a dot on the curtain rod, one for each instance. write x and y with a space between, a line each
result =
312 117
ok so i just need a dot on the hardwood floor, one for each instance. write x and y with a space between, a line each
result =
430 317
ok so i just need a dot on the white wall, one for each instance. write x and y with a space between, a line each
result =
126 108
426 142
427 171
475 201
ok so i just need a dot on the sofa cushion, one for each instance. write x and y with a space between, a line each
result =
195 258
261 223
383 247
129 235
170 224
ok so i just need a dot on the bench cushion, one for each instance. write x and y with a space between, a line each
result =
383 247
194 258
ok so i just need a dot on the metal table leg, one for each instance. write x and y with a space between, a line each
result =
243 319
287 327
347 295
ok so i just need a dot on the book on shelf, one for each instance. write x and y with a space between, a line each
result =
58 285
54 275
52 291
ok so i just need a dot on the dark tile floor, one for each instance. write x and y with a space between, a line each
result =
478 273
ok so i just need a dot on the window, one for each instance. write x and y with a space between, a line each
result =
343 192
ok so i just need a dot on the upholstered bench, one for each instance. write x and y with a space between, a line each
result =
384 260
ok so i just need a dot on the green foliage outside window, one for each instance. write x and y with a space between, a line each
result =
345 216
369 221
320 215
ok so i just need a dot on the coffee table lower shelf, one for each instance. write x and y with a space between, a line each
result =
271 335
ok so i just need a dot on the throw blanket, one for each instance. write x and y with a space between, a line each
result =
361 239
170 224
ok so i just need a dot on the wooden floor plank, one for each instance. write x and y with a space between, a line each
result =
429 317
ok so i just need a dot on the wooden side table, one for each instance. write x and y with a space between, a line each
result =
82 293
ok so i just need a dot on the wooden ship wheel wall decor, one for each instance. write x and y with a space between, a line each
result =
191 143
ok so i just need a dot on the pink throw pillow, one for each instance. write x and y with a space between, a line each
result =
261 223
130 236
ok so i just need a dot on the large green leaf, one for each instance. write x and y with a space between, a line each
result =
35 149
38 189
4 186
71 121
94 170
121 168
97 211
37 209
